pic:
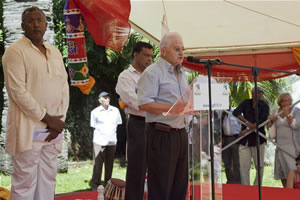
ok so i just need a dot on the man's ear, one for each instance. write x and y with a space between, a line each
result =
134 54
163 51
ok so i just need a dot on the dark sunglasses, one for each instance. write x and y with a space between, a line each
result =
297 164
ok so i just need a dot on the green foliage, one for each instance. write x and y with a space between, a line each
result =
60 39
77 178
58 12
239 91
272 89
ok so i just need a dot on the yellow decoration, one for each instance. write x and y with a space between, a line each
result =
296 52
84 70
122 104
85 89
4 193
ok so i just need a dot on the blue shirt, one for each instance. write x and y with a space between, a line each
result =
158 83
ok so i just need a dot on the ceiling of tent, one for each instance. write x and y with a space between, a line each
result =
224 28
220 24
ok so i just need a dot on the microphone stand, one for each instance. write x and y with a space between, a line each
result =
209 66
255 71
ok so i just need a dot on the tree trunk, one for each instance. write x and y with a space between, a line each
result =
12 11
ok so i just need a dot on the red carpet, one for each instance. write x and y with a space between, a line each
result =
92 195
230 192
243 192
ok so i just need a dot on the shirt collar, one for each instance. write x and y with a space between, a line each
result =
33 46
103 109
132 69
171 68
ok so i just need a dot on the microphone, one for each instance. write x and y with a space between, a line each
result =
204 60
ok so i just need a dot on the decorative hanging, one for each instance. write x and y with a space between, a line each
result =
78 65
107 22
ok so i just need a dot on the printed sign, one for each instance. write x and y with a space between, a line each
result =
219 96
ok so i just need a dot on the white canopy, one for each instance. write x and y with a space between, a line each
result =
221 27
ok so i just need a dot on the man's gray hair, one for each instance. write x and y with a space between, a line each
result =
165 41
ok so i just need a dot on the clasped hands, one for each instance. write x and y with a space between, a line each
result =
55 126
250 126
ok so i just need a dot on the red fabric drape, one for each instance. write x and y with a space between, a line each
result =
107 21
277 60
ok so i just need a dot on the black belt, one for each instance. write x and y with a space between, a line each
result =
137 117
236 135
165 127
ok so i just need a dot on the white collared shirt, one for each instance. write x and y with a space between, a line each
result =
105 123
126 88
231 125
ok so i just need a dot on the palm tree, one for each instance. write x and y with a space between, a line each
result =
272 88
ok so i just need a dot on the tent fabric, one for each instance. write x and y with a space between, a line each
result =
241 32
277 60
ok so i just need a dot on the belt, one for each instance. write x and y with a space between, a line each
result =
137 117
236 135
165 127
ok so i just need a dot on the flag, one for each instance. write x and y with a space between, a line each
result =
107 21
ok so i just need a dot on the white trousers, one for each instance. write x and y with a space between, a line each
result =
34 175
246 155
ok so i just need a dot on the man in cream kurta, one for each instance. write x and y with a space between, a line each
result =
36 82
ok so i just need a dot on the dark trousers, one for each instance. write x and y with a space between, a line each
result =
136 156
231 160
167 154
107 157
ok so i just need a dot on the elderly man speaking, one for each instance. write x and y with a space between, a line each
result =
167 141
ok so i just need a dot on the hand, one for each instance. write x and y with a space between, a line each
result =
272 117
251 126
286 110
53 134
54 123
178 108
243 132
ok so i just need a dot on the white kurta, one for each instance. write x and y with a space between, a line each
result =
35 85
